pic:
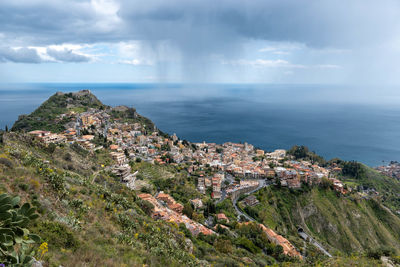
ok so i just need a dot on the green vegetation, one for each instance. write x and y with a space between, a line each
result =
302 152
15 238
46 116
89 218
342 224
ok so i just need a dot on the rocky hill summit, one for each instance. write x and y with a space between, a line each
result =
53 114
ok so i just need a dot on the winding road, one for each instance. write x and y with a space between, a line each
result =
262 184
311 240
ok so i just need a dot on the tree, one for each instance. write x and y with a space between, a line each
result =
188 210
51 148
223 245
326 183
146 206
278 250
210 208
247 244
183 229
352 168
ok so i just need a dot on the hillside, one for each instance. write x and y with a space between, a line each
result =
129 195
89 218
93 220
342 224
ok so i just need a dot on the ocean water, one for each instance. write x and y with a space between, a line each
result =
335 121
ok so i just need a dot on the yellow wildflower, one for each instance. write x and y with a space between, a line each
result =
43 249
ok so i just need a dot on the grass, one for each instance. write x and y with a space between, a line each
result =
342 223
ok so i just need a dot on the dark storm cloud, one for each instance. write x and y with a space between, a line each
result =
315 23
201 28
22 55
66 55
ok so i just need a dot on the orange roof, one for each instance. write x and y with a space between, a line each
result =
222 216
88 137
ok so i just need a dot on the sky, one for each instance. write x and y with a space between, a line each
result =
201 41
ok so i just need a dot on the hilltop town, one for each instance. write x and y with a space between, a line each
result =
223 170
208 191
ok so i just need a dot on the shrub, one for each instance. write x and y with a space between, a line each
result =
23 187
68 157
58 235
188 210
51 148
186 231
34 184
223 245
6 162
146 206
247 244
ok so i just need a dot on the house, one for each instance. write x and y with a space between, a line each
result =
250 201
216 195
88 137
197 203
216 184
119 157
114 147
259 152
39 133
207 182
222 217
123 172
177 207
201 185
170 201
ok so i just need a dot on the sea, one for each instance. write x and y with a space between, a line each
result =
350 122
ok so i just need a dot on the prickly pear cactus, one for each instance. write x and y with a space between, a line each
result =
15 239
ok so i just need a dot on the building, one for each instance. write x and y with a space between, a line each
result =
118 157
251 201
170 201
222 217
122 171
197 203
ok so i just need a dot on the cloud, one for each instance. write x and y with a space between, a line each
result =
201 23
278 63
328 66
281 48
61 53
19 55
190 33
265 63
42 22
135 62
67 55
314 23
